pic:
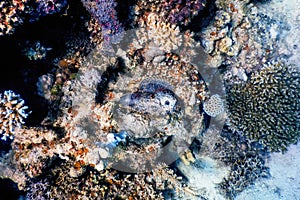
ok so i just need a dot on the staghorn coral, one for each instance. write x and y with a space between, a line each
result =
266 108
12 113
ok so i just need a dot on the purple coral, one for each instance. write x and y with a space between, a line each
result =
42 8
180 11
50 6
104 11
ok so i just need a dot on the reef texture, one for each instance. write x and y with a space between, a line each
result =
16 12
134 114
104 12
241 38
175 11
266 108
10 11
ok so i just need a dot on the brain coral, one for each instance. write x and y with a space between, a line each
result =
267 108
214 106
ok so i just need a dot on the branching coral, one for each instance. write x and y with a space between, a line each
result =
12 113
267 108
243 173
107 184
10 15
15 12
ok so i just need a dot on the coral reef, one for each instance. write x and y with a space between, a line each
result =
243 173
245 160
12 113
139 114
16 12
10 12
242 38
266 108
108 184
175 11
143 103
105 13
282 183
41 8
35 51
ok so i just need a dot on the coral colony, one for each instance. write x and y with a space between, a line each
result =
12 112
195 99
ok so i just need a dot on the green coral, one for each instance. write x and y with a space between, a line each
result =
266 109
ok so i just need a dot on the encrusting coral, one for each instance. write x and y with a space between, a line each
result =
267 108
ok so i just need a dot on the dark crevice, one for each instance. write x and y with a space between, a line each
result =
21 74
10 190
124 10
203 19
110 75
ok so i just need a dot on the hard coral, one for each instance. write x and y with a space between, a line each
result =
10 15
267 108
108 184
12 113
214 106
243 173
175 11
104 11
41 8
181 12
